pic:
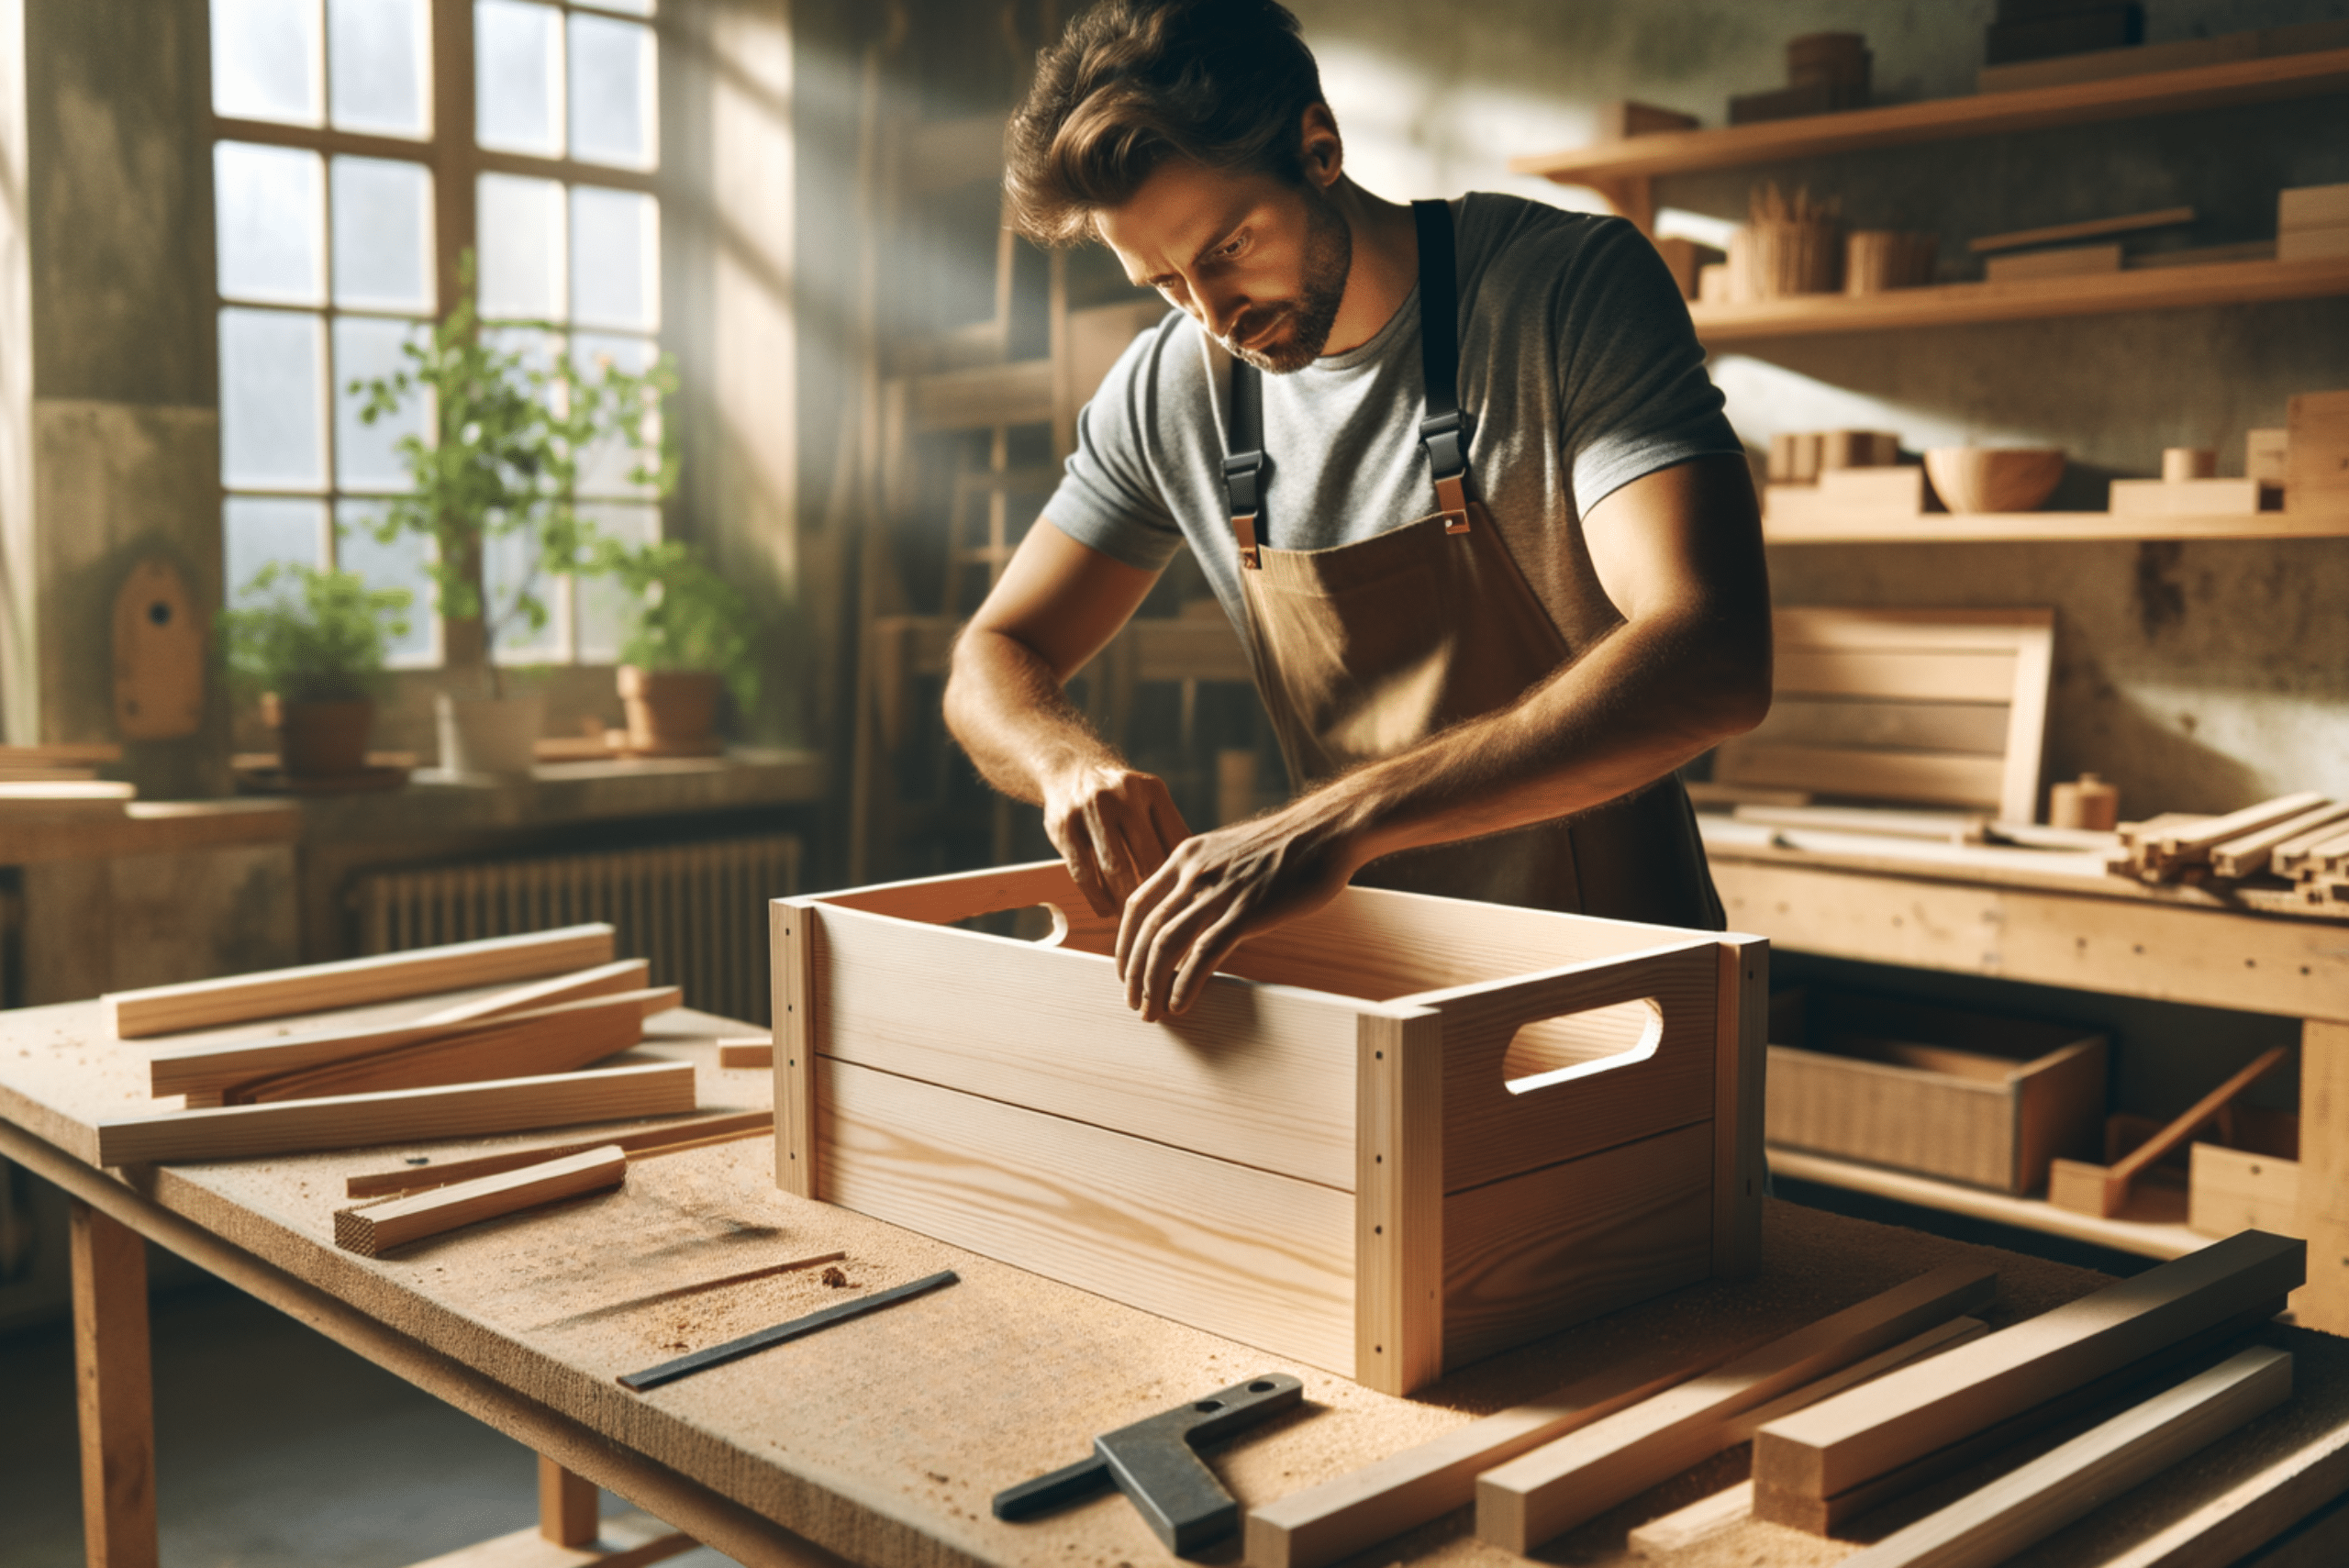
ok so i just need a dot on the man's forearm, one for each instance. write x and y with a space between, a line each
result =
1008 711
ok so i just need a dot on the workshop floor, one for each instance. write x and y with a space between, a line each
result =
276 1449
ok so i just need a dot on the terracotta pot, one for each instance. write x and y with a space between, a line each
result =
670 711
1994 479
323 739
489 735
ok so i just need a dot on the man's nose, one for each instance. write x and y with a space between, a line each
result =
1222 311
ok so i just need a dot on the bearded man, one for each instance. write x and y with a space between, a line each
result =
1455 471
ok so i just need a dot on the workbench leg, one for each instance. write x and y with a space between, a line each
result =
2323 1302
117 1391
570 1507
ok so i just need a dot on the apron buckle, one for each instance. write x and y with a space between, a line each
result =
1244 530
1452 499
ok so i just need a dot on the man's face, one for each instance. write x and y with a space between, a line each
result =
1259 264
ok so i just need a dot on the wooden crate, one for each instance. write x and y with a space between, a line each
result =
1394 1136
1969 1097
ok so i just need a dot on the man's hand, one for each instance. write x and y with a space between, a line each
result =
1113 827
1213 892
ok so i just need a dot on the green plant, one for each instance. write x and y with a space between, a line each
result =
502 463
684 614
313 636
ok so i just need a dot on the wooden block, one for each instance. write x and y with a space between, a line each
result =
2312 206
2068 262
116 1388
2131 223
652 1140
1992 1524
372 1231
627 974
399 1116
2104 1190
2184 498
2262 456
2316 453
1858 449
2194 843
2312 244
1686 260
1624 117
759 1053
2231 1190
1531 1499
2250 854
560 1038
2181 463
1856 1436
352 983
2263 1506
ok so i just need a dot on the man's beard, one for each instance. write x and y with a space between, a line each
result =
1328 257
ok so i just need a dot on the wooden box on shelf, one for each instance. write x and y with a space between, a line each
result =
1391 1137
1964 1097
2316 451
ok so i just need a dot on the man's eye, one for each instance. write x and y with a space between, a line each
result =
1231 246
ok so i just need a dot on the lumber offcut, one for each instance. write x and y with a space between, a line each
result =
1851 1440
1988 1526
605 979
1525 1502
400 1116
560 1039
2249 1515
352 983
675 1137
370 1231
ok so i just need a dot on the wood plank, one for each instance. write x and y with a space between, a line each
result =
625 1541
1398 1211
2249 854
2097 1189
2324 1174
399 1116
2232 1189
1263 1259
1858 1436
2139 1238
2017 527
1884 724
570 1507
1700 1520
1897 674
2194 843
676 1134
1740 1169
1935 778
627 974
2002 1519
2225 1530
352 983
372 1231
115 1389
560 1039
2087 229
1532 1499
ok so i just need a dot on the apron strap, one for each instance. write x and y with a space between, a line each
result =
1442 432
1243 462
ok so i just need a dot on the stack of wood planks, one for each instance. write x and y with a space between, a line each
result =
1867 1407
2302 838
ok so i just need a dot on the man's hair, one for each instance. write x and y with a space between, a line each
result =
1133 83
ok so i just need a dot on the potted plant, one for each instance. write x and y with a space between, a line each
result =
310 644
500 470
688 635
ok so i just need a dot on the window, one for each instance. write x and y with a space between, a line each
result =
337 238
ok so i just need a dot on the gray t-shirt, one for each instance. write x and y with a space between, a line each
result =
1578 369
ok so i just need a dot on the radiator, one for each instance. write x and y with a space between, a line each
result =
697 913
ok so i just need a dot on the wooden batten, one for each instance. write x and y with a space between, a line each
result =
352 983
603 980
675 1136
1741 1047
372 1231
560 1039
791 928
1399 1208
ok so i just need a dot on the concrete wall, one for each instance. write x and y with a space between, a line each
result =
2198 676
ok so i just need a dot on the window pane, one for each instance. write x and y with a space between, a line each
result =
270 210
604 467
611 91
375 54
634 7
506 563
259 530
521 234
367 457
272 381
517 77
615 277
399 564
383 233
265 59
604 606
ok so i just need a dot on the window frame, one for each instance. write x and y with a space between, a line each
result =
451 150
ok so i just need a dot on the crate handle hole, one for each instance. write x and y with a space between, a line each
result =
1549 1051
1046 925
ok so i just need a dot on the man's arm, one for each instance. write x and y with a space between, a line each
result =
1679 552
1058 604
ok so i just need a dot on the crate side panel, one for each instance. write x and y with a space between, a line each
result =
1930 1122
1263 1078
1544 1251
2061 1113
1263 1259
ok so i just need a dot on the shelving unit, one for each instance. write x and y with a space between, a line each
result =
2050 527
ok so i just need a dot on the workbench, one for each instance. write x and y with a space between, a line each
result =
879 1441
2058 919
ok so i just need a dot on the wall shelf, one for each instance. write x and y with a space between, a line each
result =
2050 527
2150 1237
1611 165
2083 294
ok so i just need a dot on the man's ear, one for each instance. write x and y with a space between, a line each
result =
1324 152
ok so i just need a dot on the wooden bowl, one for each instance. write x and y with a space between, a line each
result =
1994 479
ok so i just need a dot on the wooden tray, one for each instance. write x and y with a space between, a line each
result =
1394 1136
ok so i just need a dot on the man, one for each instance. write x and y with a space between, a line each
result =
1483 529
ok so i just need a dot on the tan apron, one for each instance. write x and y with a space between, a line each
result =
1366 648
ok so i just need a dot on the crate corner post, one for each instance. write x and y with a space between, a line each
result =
792 932
1398 1200
1741 1058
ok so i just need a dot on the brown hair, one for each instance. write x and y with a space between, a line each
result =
1134 83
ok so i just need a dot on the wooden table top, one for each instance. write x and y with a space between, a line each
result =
883 1439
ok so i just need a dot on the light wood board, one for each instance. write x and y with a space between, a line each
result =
370 1231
